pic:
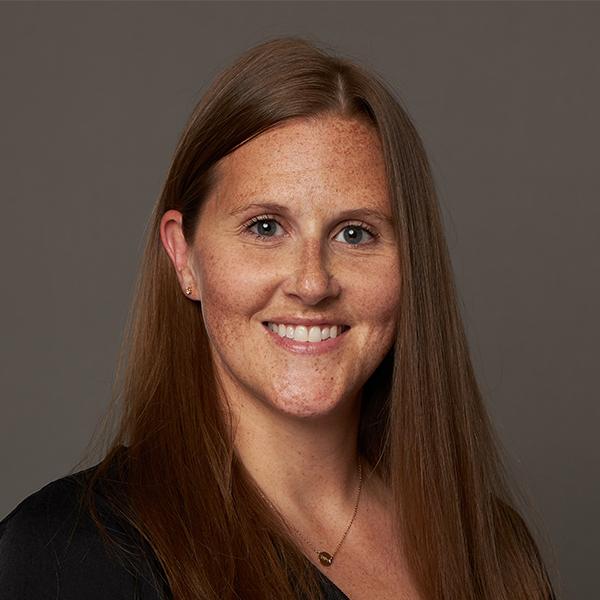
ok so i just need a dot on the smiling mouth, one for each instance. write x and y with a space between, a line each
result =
342 329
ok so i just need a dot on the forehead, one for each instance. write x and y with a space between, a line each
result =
330 157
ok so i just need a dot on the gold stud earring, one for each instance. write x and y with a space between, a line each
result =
188 290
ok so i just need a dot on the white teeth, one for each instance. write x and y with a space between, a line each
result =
300 333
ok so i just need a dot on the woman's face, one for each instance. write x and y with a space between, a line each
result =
313 262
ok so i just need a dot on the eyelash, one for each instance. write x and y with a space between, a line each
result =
255 220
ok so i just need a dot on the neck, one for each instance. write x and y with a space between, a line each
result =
301 464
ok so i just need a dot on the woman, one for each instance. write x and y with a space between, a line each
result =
301 418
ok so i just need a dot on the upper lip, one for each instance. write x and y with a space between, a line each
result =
315 321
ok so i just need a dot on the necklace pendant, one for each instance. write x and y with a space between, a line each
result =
325 558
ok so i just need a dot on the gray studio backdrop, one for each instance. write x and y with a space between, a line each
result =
506 97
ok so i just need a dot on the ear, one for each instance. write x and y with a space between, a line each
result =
171 235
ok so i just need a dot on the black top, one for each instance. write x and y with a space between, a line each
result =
51 549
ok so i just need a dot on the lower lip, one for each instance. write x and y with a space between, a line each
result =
307 347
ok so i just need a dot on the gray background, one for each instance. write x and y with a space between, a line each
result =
506 97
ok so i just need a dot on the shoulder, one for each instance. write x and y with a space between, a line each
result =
51 548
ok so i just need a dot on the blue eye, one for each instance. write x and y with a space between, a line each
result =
357 232
264 226
266 230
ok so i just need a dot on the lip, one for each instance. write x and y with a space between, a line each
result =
320 321
310 348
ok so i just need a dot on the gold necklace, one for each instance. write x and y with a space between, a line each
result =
325 558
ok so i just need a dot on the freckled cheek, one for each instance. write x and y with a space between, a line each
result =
379 298
231 287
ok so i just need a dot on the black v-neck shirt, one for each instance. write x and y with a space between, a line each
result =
51 549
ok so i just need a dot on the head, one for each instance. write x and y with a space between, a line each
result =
318 135
327 140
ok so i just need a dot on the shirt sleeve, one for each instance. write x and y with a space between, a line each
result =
28 567
51 549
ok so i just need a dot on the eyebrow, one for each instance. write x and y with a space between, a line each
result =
353 213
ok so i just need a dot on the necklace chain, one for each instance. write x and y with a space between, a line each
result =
325 558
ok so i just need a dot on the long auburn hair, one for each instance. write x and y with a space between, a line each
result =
423 423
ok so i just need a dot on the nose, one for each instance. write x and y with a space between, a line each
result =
311 278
